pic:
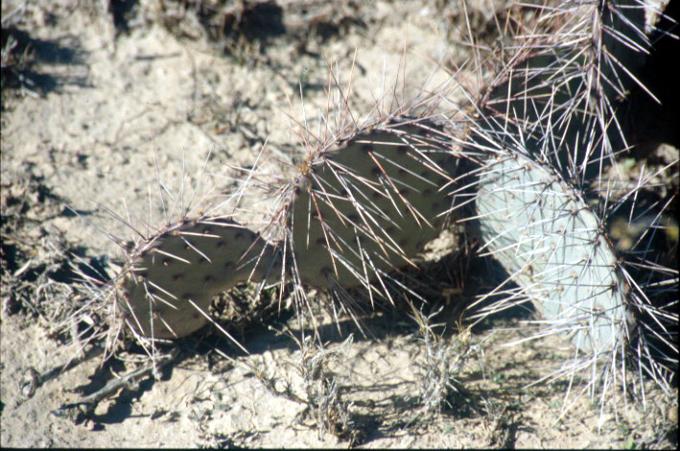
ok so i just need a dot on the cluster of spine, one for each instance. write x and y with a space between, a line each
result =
364 203
547 134
172 278
367 206
359 208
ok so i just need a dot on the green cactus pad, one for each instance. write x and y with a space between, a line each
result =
554 247
172 278
368 205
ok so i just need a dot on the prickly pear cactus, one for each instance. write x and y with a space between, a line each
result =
367 205
171 278
365 202
547 133
545 235
359 208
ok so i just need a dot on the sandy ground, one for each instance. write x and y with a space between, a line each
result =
131 98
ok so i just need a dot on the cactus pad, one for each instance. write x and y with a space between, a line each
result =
172 278
368 205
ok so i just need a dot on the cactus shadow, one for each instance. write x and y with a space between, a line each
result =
385 322
433 281
119 407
